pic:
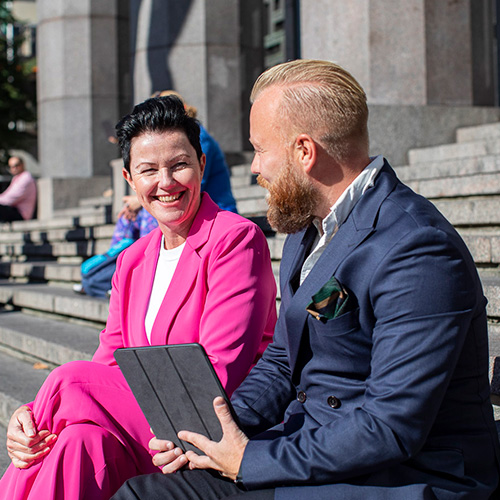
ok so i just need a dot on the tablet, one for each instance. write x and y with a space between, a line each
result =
175 386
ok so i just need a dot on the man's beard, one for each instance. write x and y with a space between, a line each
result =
292 201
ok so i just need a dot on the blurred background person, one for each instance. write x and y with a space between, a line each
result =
18 201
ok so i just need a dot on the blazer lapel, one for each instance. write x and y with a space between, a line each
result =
358 226
186 271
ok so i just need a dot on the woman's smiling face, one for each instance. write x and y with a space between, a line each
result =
166 175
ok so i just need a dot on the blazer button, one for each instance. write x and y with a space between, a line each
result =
301 397
333 402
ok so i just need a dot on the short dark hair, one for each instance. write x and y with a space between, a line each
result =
157 114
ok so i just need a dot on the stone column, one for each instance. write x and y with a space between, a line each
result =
415 60
192 47
79 90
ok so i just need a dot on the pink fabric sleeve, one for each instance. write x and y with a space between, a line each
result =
239 313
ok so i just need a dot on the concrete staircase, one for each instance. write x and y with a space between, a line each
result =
43 323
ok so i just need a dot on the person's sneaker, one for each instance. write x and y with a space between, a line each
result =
78 288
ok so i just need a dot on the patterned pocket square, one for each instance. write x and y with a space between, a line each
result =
330 302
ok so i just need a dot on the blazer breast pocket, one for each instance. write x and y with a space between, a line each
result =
344 324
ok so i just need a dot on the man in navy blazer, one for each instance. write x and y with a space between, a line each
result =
375 385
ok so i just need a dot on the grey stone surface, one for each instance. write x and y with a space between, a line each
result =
447 33
20 388
476 133
64 193
394 130
78 86
52 341
4 458
474 149
405 52
347 44
470 211
446 187
177 47
54 300
449 168
491 288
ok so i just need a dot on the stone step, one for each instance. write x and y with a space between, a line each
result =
67 233
66 221
83 210
47 340
483 244
47 271
242 181
242 170
4 457
54 301
491 289
478 132
449 187
472 211
252 207
484 147
249 192
82 248
449 168
20 383
97 201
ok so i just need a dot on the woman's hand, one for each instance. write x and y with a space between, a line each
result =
25 444
169 458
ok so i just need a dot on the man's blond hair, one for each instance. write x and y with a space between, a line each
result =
323 100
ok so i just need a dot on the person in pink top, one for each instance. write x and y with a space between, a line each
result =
204 275
18 201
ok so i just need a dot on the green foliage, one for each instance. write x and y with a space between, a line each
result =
17 89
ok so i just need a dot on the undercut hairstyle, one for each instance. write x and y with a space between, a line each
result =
323 100
157 115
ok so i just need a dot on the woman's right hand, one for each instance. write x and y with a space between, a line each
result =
169 458
25 444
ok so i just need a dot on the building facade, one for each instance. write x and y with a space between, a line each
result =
428 66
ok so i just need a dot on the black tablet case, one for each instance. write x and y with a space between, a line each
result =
175 386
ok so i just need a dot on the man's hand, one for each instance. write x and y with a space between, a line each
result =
24 444
224 456
169 458
131 207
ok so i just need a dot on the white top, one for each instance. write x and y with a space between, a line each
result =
339 213
165 268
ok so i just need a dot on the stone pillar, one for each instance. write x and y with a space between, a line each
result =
415 60
79 88
192 47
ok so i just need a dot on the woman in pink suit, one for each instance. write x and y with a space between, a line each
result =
203 275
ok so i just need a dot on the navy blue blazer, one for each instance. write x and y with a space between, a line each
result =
391 398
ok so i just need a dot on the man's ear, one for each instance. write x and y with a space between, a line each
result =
306 151
128 178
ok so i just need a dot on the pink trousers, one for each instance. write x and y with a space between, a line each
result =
102 437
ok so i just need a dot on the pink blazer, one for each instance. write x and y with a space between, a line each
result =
222 294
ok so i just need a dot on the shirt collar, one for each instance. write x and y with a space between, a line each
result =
344 205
